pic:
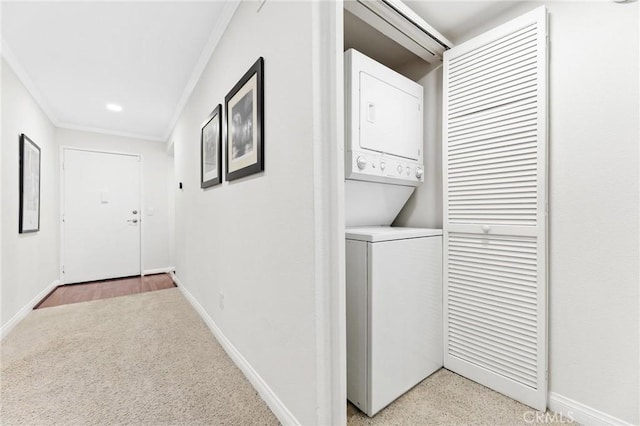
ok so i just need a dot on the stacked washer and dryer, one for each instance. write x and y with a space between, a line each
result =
394 274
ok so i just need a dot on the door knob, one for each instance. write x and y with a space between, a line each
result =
135 212
133 220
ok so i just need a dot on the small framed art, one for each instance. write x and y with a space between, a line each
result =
244 112
29 210
211 149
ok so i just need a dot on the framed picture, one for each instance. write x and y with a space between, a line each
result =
211 149
244 112
29 214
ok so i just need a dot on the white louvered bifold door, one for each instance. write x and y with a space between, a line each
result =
495 209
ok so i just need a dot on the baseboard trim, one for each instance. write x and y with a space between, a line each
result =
275 404
158 270
22 313
581 413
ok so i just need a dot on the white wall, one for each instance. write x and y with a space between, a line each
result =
255 239
594 188
594 223
29 261
157 166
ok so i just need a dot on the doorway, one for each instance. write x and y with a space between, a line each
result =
101 213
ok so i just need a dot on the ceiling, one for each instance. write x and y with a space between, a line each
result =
459 20
75 57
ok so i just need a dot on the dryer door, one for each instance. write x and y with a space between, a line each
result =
390 118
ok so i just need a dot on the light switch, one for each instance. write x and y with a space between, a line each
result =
104 196
150 211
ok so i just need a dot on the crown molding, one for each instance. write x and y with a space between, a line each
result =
23 76
214 38
13 62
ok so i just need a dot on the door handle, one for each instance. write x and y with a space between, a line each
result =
133 220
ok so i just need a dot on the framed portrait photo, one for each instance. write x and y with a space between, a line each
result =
244 112
211 149
29 210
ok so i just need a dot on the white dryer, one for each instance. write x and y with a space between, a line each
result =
384 137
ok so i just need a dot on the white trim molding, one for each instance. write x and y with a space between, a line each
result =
168 269
266 393
219 28
23 76
22 313
581 413
328 174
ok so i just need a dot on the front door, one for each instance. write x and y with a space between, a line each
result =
100 215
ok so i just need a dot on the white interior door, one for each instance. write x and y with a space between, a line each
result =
101 215
495 171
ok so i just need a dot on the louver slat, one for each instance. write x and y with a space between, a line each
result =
509 141
500 64
490 81
495 334
504 90
498 52
484 299
518 109
488 153
514 159
490 47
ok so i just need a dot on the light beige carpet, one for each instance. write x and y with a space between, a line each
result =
445 398
148 359
145 359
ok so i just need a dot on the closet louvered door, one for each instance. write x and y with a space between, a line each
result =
495 209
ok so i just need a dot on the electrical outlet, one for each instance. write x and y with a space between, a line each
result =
221 301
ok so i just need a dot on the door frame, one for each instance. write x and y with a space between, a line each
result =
63 193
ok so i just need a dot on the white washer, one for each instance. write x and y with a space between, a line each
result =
394 312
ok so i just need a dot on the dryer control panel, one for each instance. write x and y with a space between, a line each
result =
383 168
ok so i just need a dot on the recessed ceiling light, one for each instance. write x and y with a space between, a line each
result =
114 107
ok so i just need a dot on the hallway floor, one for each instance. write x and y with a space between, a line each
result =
104 289
146 358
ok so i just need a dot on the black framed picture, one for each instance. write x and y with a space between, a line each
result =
211 149
29 210
244 112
